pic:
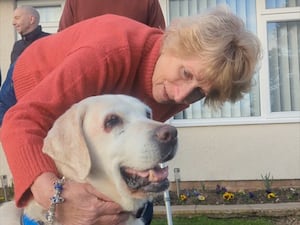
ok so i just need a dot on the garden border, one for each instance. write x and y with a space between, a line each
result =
234 211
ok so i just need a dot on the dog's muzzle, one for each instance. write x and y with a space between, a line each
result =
154 179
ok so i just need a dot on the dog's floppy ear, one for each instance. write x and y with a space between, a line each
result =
66 145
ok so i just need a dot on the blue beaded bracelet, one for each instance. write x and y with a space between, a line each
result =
55 199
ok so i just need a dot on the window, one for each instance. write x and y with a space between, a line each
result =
271 4
49 17
281 55
279 28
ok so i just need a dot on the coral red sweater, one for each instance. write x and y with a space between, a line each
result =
107 54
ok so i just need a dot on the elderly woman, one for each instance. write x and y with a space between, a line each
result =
209 56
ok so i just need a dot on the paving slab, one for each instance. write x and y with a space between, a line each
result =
228 211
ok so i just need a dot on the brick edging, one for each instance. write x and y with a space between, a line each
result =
227 211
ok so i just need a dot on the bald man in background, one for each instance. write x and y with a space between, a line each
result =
26 21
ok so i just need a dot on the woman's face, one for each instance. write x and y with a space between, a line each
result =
177 80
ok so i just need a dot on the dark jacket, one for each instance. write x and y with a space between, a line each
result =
26 40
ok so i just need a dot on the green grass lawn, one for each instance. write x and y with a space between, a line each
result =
201 220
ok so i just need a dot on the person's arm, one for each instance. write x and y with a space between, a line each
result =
155 15
26 124
67 17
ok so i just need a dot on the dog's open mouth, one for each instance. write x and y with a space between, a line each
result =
152 180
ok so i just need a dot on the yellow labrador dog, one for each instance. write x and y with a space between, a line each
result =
111 142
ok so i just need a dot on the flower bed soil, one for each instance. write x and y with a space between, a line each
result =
223 196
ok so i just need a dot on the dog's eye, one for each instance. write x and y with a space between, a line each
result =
112 121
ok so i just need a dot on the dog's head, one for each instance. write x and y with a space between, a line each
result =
112 142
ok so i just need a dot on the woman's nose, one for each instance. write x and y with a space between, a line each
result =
183 92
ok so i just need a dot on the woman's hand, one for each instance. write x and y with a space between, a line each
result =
83 205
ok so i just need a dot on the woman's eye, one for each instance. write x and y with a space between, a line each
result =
187 74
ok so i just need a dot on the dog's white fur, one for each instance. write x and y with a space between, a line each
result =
9 214
94 138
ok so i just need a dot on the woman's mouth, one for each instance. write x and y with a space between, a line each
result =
165 94
166 97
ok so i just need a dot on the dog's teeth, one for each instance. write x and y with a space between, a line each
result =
151 175
162 165
158 174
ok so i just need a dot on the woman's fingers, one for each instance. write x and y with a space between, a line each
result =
108 208
99 195
83 204
119 219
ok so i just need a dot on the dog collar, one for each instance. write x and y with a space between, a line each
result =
25 220
145 213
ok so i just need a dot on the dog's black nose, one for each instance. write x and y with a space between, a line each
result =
166 133
166 138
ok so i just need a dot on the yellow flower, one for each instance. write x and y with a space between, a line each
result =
183 197
271 195
228 196
201 198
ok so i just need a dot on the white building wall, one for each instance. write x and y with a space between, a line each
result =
7 32
242 152
229 152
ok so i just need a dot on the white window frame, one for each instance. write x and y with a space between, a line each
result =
266 117
264 16
41 2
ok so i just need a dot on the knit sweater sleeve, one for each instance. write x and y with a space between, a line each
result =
155 15
67 17
27 123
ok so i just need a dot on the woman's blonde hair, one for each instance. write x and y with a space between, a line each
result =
220 40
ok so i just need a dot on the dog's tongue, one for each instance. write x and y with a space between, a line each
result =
158 174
